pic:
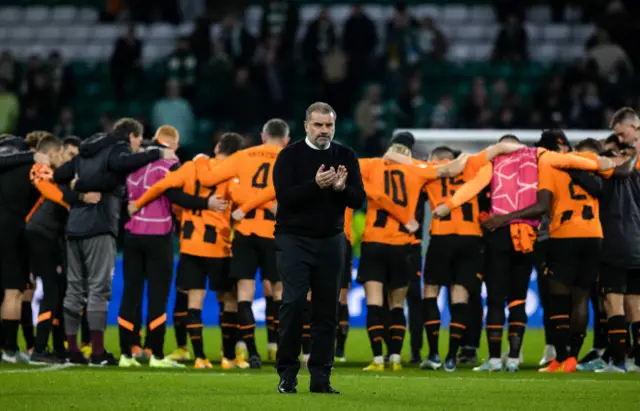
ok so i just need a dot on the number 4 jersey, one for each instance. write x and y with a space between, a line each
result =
253 169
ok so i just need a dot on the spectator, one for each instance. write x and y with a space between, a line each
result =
401 44
412 106
246 110
34 66
9 71
476 112
216 84
9 109
126 62
239 44
200 40
105 123
40 98
65 126
499 93
443 115
318 41
431 40
551 102
182 67
176 111
506 119
593 112
334 76
62 80
360 40
192 9
271 77
280 20
607 55
512 41
370 119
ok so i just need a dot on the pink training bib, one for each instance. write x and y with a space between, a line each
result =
514 184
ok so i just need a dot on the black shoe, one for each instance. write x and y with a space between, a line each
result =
416 358
44 357
468 356
77 358
323 389
592 355
106 359
255 362
287 385
62 356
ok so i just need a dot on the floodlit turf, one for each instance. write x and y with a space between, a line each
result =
47 388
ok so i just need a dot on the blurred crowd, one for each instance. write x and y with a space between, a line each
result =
375 81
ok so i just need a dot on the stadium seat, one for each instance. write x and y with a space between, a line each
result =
453 14
459 52
481 52
539 14
162 31
22 34
557 33
77 34
106 33
11 15
482 14
185 29
309 13
50 34
4 34
64 14
426 10
580 33
544 52
36 14
88 15
474 32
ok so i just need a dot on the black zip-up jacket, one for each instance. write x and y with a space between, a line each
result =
620 218
102 166
17 194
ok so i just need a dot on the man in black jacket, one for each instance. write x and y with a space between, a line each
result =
102 165
315 180
620 259
17 197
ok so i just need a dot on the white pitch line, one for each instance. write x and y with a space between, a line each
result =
54 367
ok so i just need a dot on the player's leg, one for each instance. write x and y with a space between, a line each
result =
194 281
269 275
159 269
521 267
613 284
542 273
372 273
58 335
593 359
244 265
269 309
436 274
133 272
343 306
85 333
632 305
499 254
74 300
414 303
466 264
26 318
471 338
99 258
14 279
44 262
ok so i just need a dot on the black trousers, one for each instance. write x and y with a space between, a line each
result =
45 255
149 258
309 263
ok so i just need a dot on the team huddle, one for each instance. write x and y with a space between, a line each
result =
573 214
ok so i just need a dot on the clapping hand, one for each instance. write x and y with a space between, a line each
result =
327 178
341 179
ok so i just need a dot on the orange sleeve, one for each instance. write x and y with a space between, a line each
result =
365 166
471 188
267 195
638 164
545 177
50 191
477 161
565 161
174 179
424 171
383 201
227 169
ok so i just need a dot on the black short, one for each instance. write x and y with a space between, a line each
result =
454 259
616 280
14 261
416 257
348 266
253 252
194 272
574 262
391 265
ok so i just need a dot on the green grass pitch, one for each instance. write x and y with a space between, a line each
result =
44 388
